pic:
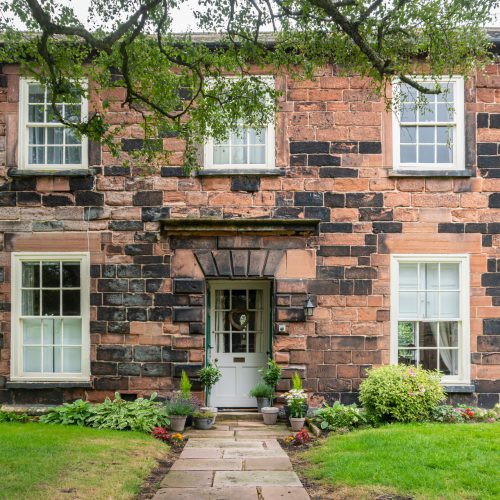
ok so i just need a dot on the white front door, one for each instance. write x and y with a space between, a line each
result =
239 339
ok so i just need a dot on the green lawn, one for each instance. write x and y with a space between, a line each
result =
40 461
445 461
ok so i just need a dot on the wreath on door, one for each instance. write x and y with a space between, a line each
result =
239 318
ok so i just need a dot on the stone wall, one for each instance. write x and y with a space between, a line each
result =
333 153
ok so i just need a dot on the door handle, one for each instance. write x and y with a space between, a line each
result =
216 360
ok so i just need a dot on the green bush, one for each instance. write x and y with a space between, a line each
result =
11 416
339 416
76 413
401 393
262 390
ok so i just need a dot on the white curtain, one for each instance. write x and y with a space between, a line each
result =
446 355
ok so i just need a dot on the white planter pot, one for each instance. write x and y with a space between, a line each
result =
270 415
297 423
211 409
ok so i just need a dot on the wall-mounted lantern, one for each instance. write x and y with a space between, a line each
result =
308 307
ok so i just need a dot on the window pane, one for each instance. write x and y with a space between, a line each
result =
52 331
445 113
408 135
446 94
408 276
426 134
52 360
221 155
450 276
427 112
238 155
429 359
36 93
408 93
72 112
431 276
428 334
444 154
72 332
36 135
408 154
239 137
448 334
239 342
71 302
430 304
426 154
51 116
448 361
32 359
256 136
444 135
406 334
32 332
35 113
73 155
408 305
252 298
51 274
50 302
36 155
31 302
450 305
407 357
71 274
31 274
71 137
257 155
54 155
239 299
72 359
408 113
55 135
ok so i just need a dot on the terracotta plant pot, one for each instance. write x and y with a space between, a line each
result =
177 422
270 415
297 423
261 403
203 423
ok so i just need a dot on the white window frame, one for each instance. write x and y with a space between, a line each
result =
463 377
458 123
270 162
17 373
24 135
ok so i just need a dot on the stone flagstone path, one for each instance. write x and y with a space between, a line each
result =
237 460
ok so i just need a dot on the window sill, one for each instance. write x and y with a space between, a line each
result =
461 389
468 172
223 172
48 385
74 172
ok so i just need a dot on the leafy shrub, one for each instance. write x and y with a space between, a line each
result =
271 375
464 413
339 416
262 390
209 375
185 386
179 406
12 416
76 413
401 393
140 415
296 382
448 414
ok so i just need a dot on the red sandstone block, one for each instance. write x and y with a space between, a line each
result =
325 95
335 134
435 200
334 82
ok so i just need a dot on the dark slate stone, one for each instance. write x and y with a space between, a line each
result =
491 265
156 271
494 227
93 213
148 198
361 273
488 161
169 355
309 147
487 148
96 299
451 227
362 251
159 313
334 251
111 384
308 199
102 368
120 327
137 314
387 227
110 314
173 172
247 183
164 299
188 314
321 213
491 326
375 214
482 120
114 353
112 285
494 120
370 147
81 183
97 327
288 212
490 279
138 249
488 400
344 147
335 227
89 198
149 236
28 198
137 299
126 225
23 184
298 160
148 259
56 200
132 144
196 328
494 200
323 160
331 272
46 226
188 286
334 200
116 170
153 285
109 271
146 353
356 200
154 214
346 287
476 227
4 81
333 172
323 287
129 369
156 370
371 239
128 271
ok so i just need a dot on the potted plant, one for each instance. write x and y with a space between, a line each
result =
271 375
296 404
209 376
296 386
264 394
178 409
203 419
270 415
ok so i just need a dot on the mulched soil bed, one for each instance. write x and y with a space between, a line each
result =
320 491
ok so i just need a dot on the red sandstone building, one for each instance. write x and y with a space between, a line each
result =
389 225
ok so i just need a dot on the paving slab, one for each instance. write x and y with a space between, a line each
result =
252 453
187 479
256 478
272 444
243 493
201 453
194 433
222 443
196 464
259 435
274 492
267 463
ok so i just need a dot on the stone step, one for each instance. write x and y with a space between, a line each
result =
229 415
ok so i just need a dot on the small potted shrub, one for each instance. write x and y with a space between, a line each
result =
209 376
264 394
297 386
203 420
178 409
